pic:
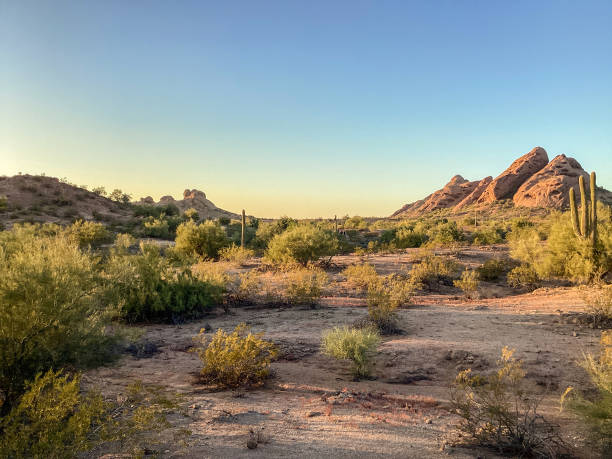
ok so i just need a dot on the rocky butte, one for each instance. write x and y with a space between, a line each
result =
530 181
195 199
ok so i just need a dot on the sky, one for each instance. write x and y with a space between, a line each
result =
301 108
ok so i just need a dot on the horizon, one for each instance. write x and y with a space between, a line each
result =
307 110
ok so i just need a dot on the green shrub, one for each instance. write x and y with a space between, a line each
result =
235 359
51 313
360 275
147 289
266 231
496 411
204 240
87 233
523 276
301 244
488 236
492 269
444 234
468 282
191 214
236 254
356 345
385 295
596 413
3 203
156 227
305 286
406 237
432 269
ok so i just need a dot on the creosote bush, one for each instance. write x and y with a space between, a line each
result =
235 359
360 275
305 286
496 411
236 254
432 269
468 283
598 302
89 234
203 240
596 412
492 269
301 244
385 295
357 345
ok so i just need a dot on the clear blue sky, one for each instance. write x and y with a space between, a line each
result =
306 108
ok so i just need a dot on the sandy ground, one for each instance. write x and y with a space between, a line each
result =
312 407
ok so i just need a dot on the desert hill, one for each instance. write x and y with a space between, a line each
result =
195 199
38 198
530 181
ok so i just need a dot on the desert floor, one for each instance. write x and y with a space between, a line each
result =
312 407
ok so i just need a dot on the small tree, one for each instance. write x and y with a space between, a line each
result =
204 240
301 244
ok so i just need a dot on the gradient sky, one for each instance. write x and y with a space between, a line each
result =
305 108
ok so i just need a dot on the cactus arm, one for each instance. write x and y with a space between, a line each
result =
574 212
584 223
593 209
243 225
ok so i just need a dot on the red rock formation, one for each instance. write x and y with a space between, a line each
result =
475 194
505 185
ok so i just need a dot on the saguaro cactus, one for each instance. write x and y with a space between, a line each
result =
587 226
243 228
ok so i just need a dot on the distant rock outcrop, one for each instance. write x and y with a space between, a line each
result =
508 182
530 181
195 199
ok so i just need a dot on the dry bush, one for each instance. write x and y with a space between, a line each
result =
355 344
492 269
235 359
236 254
433 269
597 412
523 276
468 283
305 286
497 412
599 305
385 295
360 275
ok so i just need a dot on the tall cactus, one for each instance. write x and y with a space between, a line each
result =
243 228
587 226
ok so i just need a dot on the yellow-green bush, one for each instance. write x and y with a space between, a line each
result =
357 345
51 310
301 244
236 254
468 282
305 286
596 412
598 302
235 359
497 411
204 240
431 269
492 269
87 233
384 296
360 275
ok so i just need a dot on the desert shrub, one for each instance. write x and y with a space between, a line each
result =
384 296
146 288
265 232
51 313
248 287
432 269
357 345
213 273
496 411
119 196
155 210
99 190
523 276
301 244
492 269
235 359
599 305
191 214
236 254
468 282
204 240
305 286
443 234
156 227
355 222
87 233
488 236
3 203
55 419
360 275
597 411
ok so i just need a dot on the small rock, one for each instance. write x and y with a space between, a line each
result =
252 443
312 414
